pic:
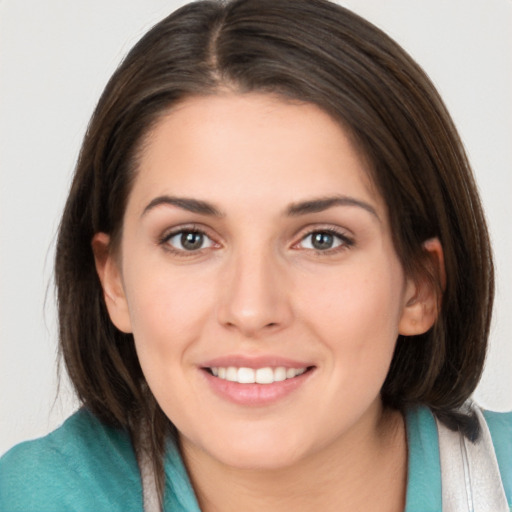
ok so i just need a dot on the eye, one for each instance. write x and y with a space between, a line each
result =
188 240
324 240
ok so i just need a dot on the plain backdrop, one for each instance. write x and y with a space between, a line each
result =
55 58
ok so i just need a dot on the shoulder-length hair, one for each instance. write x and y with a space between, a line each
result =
312 51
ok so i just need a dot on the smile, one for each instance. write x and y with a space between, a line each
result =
259 386
266 375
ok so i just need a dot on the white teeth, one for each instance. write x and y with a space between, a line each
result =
279 374
290 373
266 375
231 374
246 376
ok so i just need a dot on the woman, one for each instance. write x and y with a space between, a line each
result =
274 279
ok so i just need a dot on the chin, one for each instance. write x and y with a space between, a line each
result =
256 453
258 460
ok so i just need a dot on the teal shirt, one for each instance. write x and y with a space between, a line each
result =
85 466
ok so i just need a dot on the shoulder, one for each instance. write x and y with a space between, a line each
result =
83 465
424 487
500 427
424 468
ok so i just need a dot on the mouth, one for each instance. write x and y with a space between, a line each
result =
256 381
265 375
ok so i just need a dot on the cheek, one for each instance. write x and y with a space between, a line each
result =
357 313
168 314
167 309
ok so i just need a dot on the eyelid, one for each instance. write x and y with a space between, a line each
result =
347 239
168 234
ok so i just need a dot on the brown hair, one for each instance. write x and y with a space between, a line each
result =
313 51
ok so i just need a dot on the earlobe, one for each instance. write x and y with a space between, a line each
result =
110 277
423 293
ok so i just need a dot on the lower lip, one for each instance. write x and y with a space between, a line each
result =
255 394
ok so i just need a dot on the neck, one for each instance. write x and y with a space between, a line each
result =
362 470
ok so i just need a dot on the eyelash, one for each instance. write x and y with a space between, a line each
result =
165 239
345 242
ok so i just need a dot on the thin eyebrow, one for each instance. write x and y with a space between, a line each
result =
185 203
324 203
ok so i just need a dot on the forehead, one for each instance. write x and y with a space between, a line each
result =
250 146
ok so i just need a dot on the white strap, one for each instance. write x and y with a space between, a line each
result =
470 475
151 503
149 489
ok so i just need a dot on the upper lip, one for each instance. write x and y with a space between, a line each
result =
240 361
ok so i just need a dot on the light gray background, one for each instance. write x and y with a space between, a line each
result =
55 58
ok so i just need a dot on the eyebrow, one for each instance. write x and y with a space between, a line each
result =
295 209
191 205
324 203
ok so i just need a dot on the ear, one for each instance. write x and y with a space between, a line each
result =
111 280
423 294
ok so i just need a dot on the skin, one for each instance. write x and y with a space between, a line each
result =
258 287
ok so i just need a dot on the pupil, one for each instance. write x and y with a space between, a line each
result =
322 241
191 241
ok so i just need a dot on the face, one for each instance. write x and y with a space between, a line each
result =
258 275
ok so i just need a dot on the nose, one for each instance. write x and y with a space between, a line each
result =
254 295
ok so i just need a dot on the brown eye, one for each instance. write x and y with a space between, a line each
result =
322 241
189 241
325 240
192 241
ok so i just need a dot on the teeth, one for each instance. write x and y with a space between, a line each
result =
279 374
246 376
231 374
265 375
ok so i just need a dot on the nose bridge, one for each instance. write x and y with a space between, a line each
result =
253 291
